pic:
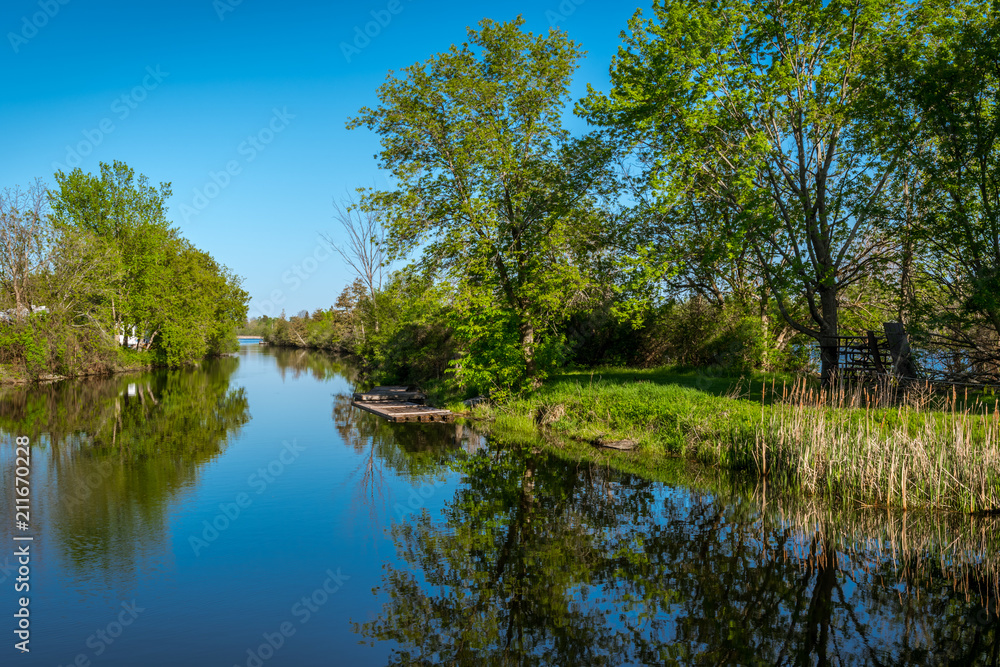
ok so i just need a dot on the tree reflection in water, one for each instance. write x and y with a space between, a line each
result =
418 452
537 560
317 363
118 452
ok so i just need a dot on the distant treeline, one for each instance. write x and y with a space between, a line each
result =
93 277
408 334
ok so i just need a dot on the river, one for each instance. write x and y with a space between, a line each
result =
242 513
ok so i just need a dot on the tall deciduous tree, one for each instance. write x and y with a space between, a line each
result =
945 83
129 215
365 251
199 304
25 244
176 298
490 185
760 108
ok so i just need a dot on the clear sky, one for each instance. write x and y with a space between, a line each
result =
241 105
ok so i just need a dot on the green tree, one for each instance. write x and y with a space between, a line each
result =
68 272
176 298
760 109
128 215
945 83
198 307
490 184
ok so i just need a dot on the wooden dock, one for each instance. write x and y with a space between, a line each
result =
398 404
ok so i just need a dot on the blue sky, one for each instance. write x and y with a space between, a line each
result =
241 105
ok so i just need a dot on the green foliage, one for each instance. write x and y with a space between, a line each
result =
840 444
943 82
177 299
402 337
113 268
748 120
46 344
690 332
198 309
493 362
127 215
492 188
23 342
413 342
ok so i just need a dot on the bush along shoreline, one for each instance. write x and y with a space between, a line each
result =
101 266
861 446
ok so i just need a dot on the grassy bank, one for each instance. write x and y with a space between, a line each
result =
855 446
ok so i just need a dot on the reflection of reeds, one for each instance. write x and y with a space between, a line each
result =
920 547
843 444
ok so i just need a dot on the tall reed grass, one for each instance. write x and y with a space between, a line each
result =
876 446
870 445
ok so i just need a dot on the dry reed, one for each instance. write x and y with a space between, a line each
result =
869 446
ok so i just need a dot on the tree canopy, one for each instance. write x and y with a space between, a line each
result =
754 113
100 254
491 187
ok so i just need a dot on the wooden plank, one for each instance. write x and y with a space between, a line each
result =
403 411
409 410
390 393
422 418
395 396
388 405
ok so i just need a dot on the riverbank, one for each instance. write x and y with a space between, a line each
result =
928 451
10 376
127 361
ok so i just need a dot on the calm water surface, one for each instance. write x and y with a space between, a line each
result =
244 514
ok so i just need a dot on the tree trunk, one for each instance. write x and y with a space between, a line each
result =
828 343
906 262
527 332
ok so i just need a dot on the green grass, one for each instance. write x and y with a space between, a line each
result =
933 451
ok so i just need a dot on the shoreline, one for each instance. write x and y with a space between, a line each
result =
49 378
944 458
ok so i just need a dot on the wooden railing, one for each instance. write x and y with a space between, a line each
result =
872 354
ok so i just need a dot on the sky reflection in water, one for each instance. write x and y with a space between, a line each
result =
249 512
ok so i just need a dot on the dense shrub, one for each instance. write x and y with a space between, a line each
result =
43 344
